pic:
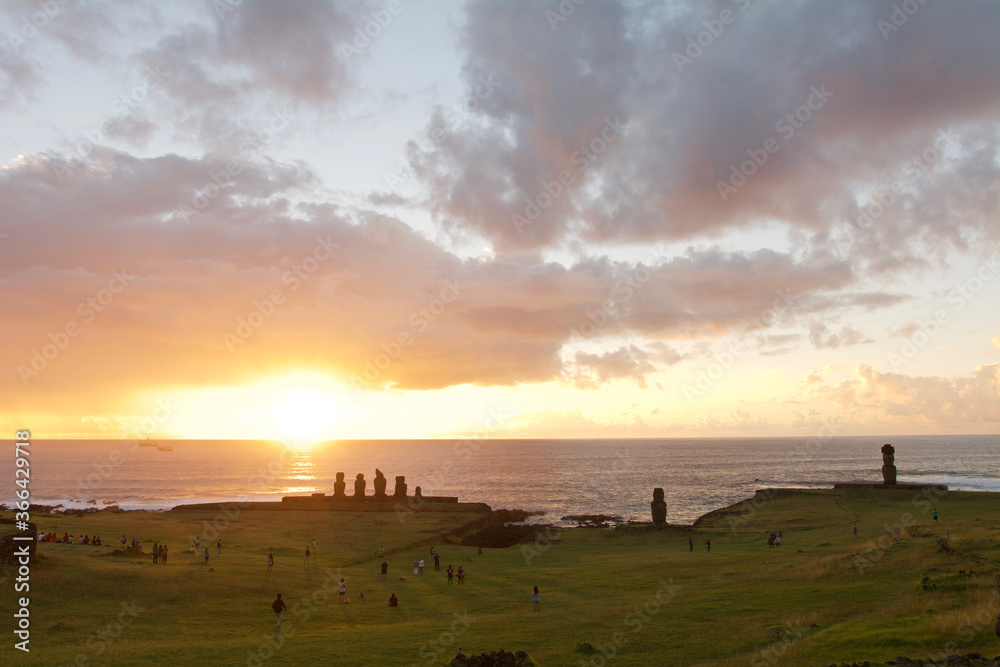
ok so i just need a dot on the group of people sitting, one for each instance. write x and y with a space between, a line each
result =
69 539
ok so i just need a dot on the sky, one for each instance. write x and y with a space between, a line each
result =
319 220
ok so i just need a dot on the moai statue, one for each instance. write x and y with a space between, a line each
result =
888 467
400 491
658 507
416 494
339 486
379 484
359 486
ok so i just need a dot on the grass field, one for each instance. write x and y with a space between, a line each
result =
637 597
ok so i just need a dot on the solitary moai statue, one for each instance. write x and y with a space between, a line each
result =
359 486
416 494
888 468
658 507
400 487
379 484
339 486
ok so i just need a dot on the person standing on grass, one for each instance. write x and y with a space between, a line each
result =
416 566
385 568
219 543
708 545
207 552
437 562
307 556
451 573
535 599
278 606
461 575
777 540
421 566
270 561
855 530
156 553
342 589
164 561
381 551
690 544
314 546
935 514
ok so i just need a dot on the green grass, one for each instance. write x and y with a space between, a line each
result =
641 595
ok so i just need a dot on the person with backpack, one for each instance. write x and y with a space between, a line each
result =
278 606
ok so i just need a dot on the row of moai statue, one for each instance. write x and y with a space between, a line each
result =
340 486
888 464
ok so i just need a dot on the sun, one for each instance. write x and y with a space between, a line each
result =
304 415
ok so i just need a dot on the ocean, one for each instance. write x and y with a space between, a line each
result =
556 477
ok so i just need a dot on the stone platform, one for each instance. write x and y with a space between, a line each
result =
900 486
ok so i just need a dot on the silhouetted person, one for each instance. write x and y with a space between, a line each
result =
278 606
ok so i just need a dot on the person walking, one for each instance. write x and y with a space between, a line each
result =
207 552
307 556
278 606
535 599
855 530
451 573
270 561
437 562
708 545
461 575
314 546
690 544
416 566
381 551
342 589
219 544
935 514
421 566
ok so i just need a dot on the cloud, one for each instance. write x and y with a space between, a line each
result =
847 337
680 131
967 402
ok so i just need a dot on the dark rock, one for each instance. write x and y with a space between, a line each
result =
380 483
658 508
888 467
